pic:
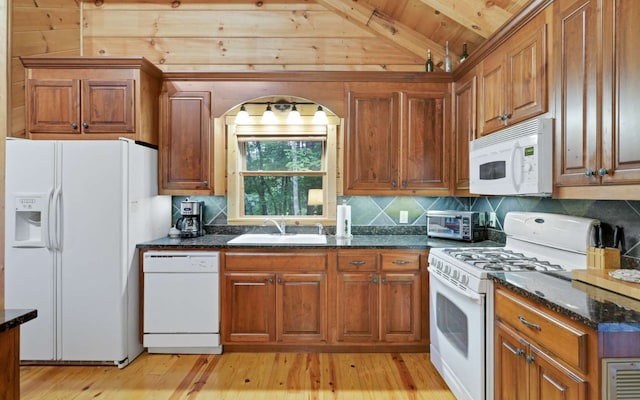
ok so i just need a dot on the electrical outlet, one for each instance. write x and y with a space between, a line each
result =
481 219
492 219
404 217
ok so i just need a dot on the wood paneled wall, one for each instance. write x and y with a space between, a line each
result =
39 27
211 35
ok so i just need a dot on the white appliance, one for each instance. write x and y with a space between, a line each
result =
514 161
74 213
182 302
461 301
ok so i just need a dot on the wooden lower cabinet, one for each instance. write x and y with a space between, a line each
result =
379 297
542 355
277 297
352 299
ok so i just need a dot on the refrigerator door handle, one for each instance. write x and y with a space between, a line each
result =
57 200
50 223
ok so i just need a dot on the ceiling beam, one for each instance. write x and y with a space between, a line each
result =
383 25
482 17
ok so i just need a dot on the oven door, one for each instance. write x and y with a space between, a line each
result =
457 328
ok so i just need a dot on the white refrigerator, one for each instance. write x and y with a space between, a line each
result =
74 213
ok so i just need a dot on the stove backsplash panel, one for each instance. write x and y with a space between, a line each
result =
380 214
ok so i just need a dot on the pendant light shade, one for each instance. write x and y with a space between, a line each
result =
294 117
320 117
243 116
268 117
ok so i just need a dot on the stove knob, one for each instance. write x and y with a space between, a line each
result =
456 274
447 269
465 280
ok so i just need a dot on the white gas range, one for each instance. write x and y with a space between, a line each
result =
461 303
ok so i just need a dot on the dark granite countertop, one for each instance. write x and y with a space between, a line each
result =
419 242
594 307
11 318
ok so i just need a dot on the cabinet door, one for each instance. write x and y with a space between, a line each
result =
465 130
551 381
577 122
621 119
371 158
108 106
357 302
425 142
301 307
54 106
526 72
400 310
511 379
492 106
185 143
249 304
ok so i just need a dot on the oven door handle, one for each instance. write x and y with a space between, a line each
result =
475 297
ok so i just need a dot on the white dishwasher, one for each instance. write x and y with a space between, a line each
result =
181 302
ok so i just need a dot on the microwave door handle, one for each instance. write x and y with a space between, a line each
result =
516 171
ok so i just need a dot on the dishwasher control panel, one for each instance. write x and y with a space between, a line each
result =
181 261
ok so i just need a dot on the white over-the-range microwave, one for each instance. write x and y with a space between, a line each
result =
514 161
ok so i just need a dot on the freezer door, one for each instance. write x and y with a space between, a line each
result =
93 295
30 274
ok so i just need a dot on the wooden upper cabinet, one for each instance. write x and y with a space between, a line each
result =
185 143
513 80
464 130
620 119
398 139
372 143
92 98
424 155
596 97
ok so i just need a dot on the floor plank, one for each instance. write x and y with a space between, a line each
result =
243 376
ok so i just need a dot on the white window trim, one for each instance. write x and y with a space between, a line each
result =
234 202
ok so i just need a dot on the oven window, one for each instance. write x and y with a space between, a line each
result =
452 322
493 170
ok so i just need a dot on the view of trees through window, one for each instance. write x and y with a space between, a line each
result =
278 175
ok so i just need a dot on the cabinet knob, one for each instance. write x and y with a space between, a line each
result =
375 279
500 118
74 125
206 183
270 280
85 125
404 184
279 280
394 184
589 172
519 352
384 280
530 359
602 172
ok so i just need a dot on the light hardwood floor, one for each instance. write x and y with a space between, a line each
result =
243 376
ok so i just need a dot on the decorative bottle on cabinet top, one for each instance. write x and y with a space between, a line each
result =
447 58
429 63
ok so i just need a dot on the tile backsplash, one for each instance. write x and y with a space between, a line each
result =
380 214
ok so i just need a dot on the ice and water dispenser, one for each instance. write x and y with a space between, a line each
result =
31 216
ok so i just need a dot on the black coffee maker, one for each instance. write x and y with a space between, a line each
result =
190 223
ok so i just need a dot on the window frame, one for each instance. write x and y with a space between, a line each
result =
235 161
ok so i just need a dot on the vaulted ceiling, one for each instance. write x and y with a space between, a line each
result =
413 25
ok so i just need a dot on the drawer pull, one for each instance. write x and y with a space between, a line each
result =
529 324
400 262
357 262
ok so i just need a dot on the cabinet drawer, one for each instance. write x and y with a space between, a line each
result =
259 261
400 261
549 331
356 261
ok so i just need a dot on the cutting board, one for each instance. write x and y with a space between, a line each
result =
601 278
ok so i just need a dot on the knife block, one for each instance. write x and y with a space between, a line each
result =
603 258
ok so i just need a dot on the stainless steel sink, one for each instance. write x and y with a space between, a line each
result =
271 238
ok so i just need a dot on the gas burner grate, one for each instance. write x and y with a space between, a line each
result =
500 260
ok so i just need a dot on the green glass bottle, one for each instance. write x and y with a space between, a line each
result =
429 63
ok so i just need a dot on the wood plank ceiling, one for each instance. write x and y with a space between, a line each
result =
236 35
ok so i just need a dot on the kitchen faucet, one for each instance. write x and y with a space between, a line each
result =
281 226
